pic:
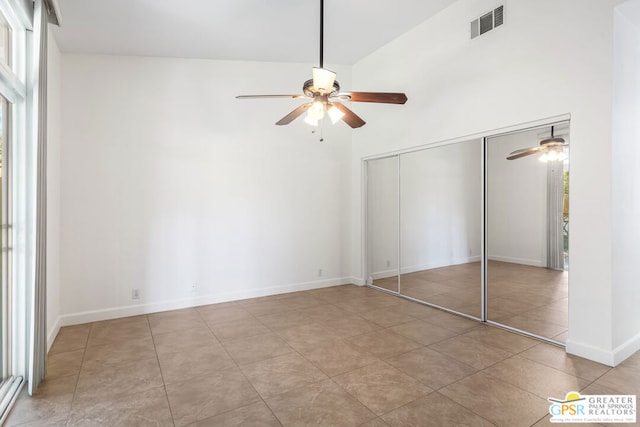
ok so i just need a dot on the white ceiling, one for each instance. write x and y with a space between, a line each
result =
255 30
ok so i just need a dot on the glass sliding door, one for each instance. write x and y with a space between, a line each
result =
4 213
14 182
9 385
527 233
382 218
440 226
5 58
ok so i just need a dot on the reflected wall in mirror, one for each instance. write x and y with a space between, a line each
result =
382 223
440 209
527 234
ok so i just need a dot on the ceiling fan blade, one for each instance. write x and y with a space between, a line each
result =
350 118
524 152
294 114
323 79
269 96
380 97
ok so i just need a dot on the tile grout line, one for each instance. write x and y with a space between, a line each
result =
329 378
486 373
444 396
560 370
241 372
75 389
164 385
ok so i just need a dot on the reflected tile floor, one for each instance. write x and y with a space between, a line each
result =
531 299
344 355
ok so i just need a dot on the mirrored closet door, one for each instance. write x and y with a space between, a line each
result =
479 228
382 219
440 226
528 231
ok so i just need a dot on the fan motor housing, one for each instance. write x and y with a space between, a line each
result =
551 141
309 90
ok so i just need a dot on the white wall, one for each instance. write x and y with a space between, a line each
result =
54 102
168 181
549 59
441 206
516 202
626 179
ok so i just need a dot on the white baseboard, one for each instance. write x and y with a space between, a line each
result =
53 333
356 281
626 349
608 357
154 307
590 352
523 261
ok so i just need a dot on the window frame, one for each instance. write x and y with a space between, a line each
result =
15 239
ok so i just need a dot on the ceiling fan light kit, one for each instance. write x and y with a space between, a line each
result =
334 114
324 92
554 154
552 150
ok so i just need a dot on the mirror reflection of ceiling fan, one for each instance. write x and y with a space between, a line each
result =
552 149
325 95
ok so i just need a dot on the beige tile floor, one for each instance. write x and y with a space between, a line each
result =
532 299
344 355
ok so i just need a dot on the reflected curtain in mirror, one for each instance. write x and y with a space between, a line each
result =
555 215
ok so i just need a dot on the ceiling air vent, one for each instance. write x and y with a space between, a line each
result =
487 22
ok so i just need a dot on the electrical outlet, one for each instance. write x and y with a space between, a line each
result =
194 286
388 263
135 294
319 272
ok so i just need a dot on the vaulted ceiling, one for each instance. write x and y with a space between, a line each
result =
252 30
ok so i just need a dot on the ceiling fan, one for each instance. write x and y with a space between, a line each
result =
551 147
324 92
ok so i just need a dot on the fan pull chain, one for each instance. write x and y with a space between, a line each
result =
321 127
